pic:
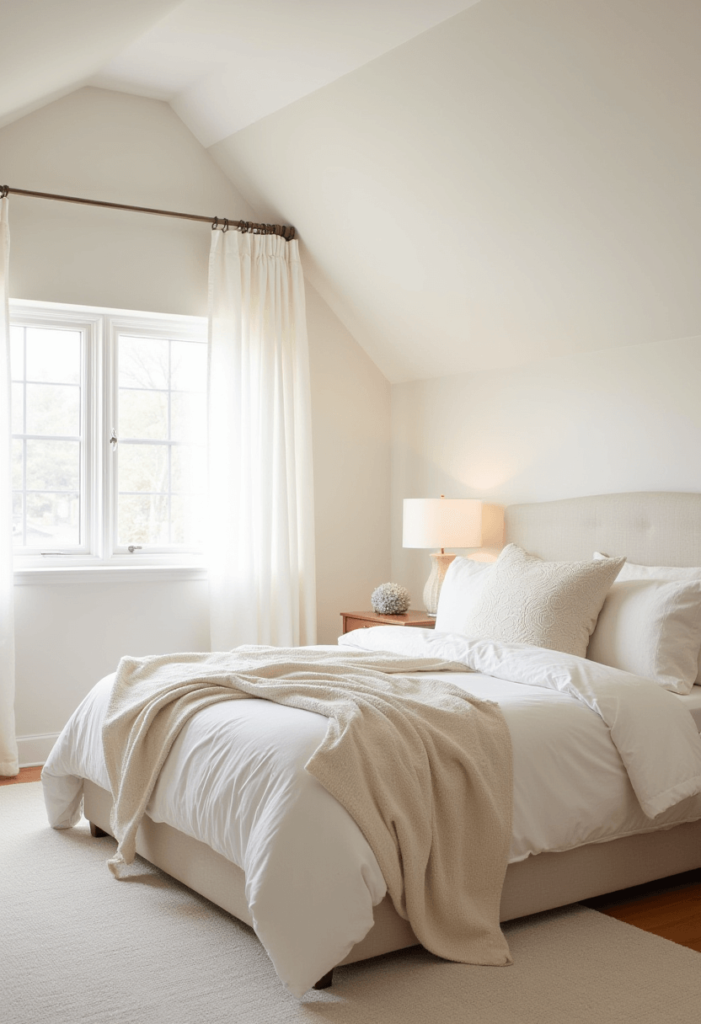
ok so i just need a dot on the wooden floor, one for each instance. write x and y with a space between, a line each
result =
670 908
25 775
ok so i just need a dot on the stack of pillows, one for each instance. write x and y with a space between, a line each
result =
647 622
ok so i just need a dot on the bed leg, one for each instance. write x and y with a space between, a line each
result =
96 832
326 981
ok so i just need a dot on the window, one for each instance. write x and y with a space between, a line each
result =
109 436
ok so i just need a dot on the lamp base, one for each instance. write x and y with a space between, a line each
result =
432 590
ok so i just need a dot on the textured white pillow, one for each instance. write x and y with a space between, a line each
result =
547 604
669 573
460 592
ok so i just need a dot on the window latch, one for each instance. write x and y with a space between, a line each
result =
113 441
133 547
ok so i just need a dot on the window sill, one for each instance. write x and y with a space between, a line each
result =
109 574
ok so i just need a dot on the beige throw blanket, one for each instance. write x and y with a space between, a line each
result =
423 768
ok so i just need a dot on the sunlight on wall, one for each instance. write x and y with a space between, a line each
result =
492 470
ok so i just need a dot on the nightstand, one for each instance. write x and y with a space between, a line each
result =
363 620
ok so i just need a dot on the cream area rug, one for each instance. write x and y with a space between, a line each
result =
78 947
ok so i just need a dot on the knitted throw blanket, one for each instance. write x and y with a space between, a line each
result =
423 768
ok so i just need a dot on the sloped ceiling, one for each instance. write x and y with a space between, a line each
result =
51 47
516 182
224 64
520 182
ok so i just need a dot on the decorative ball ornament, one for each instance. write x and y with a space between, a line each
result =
390 599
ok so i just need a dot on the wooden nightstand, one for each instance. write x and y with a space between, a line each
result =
363 620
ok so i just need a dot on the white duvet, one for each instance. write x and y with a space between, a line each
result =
235 779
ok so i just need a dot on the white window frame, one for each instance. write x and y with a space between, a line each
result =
99 555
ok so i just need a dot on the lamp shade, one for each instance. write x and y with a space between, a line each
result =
442 523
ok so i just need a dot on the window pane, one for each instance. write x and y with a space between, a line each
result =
46 473
53 409
188 417
143 519
162 385
53 465
18 408
17 352
188 466
143 362
143 414
143 467
188 366
53 521
188 517
53 355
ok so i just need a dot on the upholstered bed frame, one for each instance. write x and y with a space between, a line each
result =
650 529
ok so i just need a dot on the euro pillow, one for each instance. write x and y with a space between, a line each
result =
461 591
668 573
546 604
653 629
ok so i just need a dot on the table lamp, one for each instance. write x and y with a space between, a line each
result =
441 523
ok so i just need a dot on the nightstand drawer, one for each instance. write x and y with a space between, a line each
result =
350 624
364 620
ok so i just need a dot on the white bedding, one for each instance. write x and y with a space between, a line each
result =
235 779
692 702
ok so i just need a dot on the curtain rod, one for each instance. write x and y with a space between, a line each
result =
287 232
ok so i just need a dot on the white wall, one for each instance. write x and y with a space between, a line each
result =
123 148
626 419
70 635
351 425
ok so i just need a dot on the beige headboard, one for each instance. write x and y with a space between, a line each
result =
649 527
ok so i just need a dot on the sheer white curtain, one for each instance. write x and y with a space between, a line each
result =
261 504
9 763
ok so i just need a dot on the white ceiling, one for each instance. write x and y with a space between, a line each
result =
518 183
223 64
476 184
50 47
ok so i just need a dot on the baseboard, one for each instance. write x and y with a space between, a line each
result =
35 749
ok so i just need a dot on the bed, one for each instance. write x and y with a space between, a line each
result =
650 529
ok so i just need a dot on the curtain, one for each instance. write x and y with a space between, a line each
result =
9 760
261 506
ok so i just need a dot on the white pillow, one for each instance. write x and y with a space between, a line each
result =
669 573
547 604
651 628
460 592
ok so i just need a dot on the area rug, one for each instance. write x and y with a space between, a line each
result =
78 947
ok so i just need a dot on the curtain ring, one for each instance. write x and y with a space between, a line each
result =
215 224
4 191
225 225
